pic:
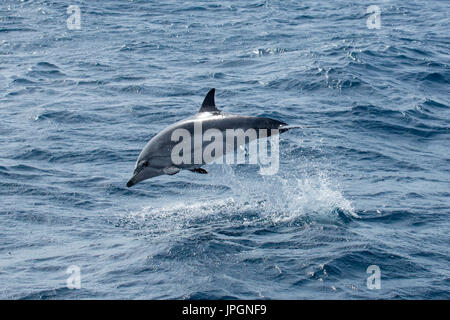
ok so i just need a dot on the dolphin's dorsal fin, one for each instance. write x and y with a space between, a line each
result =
208 104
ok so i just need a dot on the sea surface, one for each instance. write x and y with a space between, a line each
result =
367 182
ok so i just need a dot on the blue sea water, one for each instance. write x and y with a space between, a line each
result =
369 184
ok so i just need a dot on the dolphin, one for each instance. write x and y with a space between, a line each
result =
155 159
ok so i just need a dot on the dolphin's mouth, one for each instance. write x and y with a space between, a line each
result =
141 175
130 183
134 179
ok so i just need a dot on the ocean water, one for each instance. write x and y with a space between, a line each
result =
367 184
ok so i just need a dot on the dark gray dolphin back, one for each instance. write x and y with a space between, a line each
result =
209 104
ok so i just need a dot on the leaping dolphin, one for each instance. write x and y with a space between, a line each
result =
156 157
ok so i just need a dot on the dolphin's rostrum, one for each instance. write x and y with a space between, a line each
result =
156 157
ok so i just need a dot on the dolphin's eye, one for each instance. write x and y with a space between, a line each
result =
145 163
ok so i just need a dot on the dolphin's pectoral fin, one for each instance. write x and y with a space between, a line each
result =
171 170
199 170
208 104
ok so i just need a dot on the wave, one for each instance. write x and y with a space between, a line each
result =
45 70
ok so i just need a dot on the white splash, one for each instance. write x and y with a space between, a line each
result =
270 201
